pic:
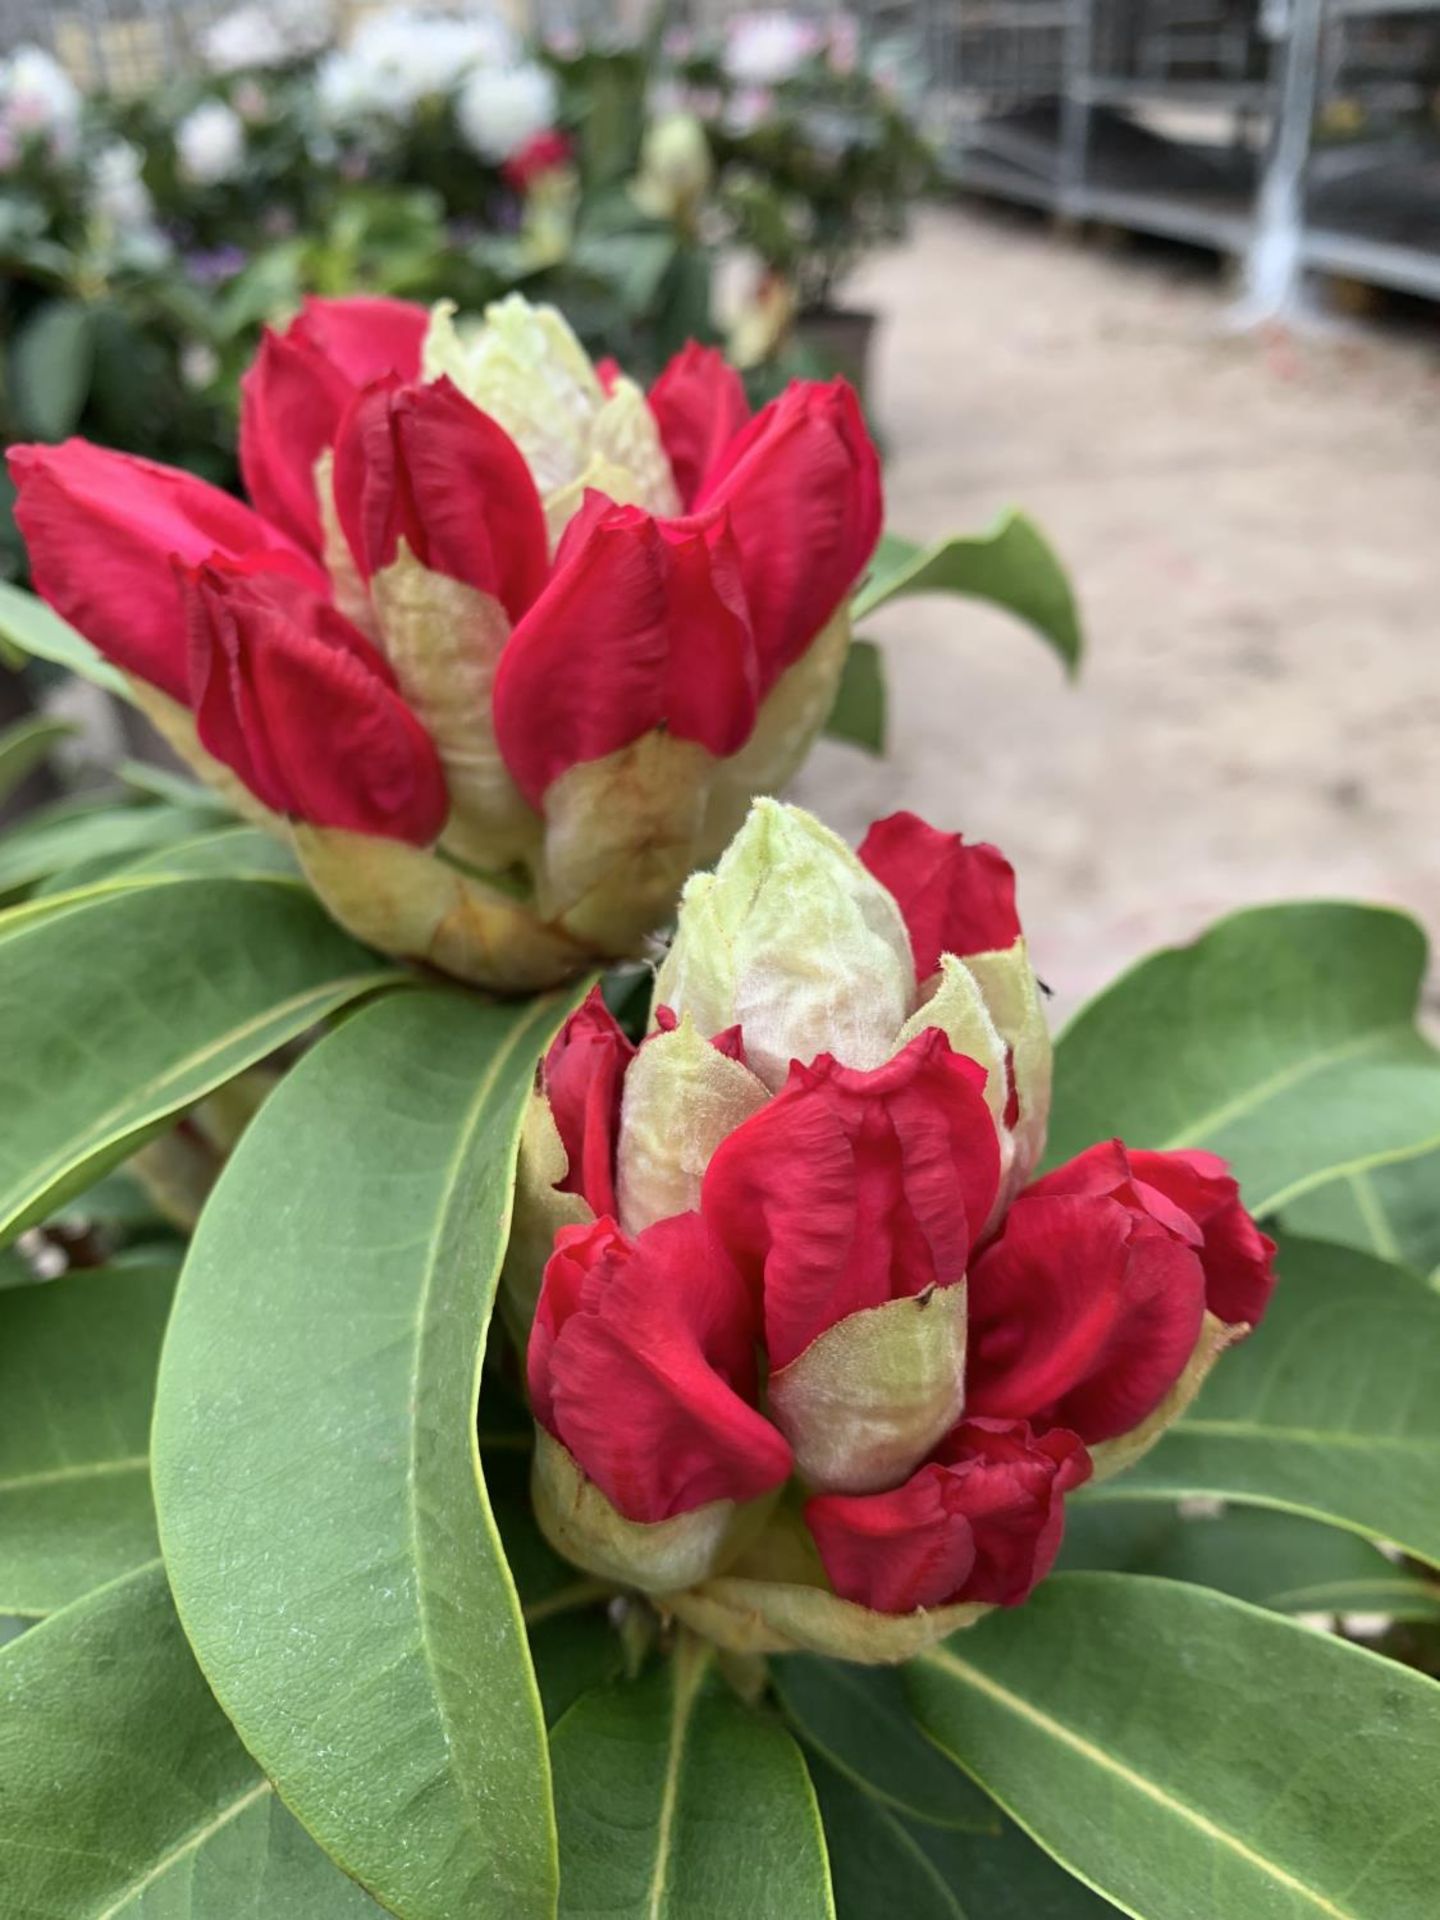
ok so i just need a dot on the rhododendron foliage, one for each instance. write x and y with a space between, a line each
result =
814 1355
504 647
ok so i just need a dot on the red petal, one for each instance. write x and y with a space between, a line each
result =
1193 1195
642 1363
291 401
852 1188
304 709
642 626
584 1077
103 530
1082 1313
367 336
422 463
1239 1260
954 898
802 482
699 406
981 1522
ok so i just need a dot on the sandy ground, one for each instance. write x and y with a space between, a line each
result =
1253 527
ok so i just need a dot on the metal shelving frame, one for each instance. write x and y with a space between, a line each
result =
1082 107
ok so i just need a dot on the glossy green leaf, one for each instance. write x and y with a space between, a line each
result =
1284 1039
77 1382
126 1007
1391 1211
124 1794
245 852
27 623
676 1802
1190 1755
1012 565
859 1719
1277 1560
885 1865
878 1868
80 848
51 364
1005 1876
25 746
316 1472
1331 1409
859 712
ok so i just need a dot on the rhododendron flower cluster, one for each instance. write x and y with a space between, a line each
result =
815 1357
503 644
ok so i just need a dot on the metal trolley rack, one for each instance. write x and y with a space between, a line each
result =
1293 134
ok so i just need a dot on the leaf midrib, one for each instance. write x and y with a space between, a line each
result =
1046 1723
76 1470
20 1195
687 1674
454 1172
189 1845
1194 1132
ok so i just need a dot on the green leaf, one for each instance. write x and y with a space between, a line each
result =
77 1382
1276 1560
316 1472
1283 1039
885 1865
51 364
878 1868
1331 1409
82 848
27 623
676 1802
860 1720
1012 565
124 1794
1005 1876
125 1008
25 746
1189 1755
1392 1211
858 714
248 852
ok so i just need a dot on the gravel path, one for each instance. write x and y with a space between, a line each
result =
1253 526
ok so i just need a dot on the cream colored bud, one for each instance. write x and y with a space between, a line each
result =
793 939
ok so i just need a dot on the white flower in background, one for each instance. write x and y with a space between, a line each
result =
398 58
39 100
210 143
676 168
500 108
762 49
118 193
265 35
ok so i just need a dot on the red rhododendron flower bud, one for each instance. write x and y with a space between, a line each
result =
851 1189
1082 1312
981 1521
420 463
956 898
811 1154
543 153
104 530
597 674
583 1076
642 1363
700 406
295 393
802 482
1194 1196
304 709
